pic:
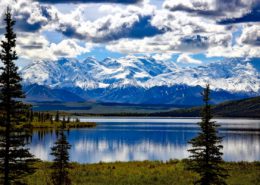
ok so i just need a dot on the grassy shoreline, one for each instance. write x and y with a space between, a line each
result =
144 173
54 124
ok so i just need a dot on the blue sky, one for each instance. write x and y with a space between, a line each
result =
190 32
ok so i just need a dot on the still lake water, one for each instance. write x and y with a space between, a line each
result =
129 139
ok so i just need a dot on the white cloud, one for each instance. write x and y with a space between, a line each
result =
30 16
36 47
170 42
250 35
184 58
244 51
189 28
216 9
112 26
163 56
68 48
247 44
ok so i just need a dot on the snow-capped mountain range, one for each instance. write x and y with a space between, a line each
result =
134 79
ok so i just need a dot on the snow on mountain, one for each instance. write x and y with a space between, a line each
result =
232 75
91 74
62 73
142 72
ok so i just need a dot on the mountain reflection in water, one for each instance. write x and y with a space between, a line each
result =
128 139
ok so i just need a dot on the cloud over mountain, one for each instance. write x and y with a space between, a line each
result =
187 59
214 28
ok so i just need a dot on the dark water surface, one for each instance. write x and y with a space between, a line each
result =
128 139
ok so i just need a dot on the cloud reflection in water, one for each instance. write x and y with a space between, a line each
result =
145 141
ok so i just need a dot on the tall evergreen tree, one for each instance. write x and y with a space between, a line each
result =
51 119
206 155
31 115
60 151
57 116
63 119
15 158
77 120
68 119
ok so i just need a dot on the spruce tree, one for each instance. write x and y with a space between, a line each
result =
68 119
15 158
31 115
206 155
60 166
51 119
39 117
77 120
63 119
57 116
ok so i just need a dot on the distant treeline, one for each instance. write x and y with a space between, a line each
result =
48 117
193 112
112 114
249 108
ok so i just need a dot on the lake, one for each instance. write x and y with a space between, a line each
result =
131 139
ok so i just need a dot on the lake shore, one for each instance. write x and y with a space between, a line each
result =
55 124
126 139
143 173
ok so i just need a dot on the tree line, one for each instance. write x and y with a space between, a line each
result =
47 117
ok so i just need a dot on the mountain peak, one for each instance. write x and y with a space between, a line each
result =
234 75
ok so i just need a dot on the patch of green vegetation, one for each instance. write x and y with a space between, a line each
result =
55 124
51 120
144 173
